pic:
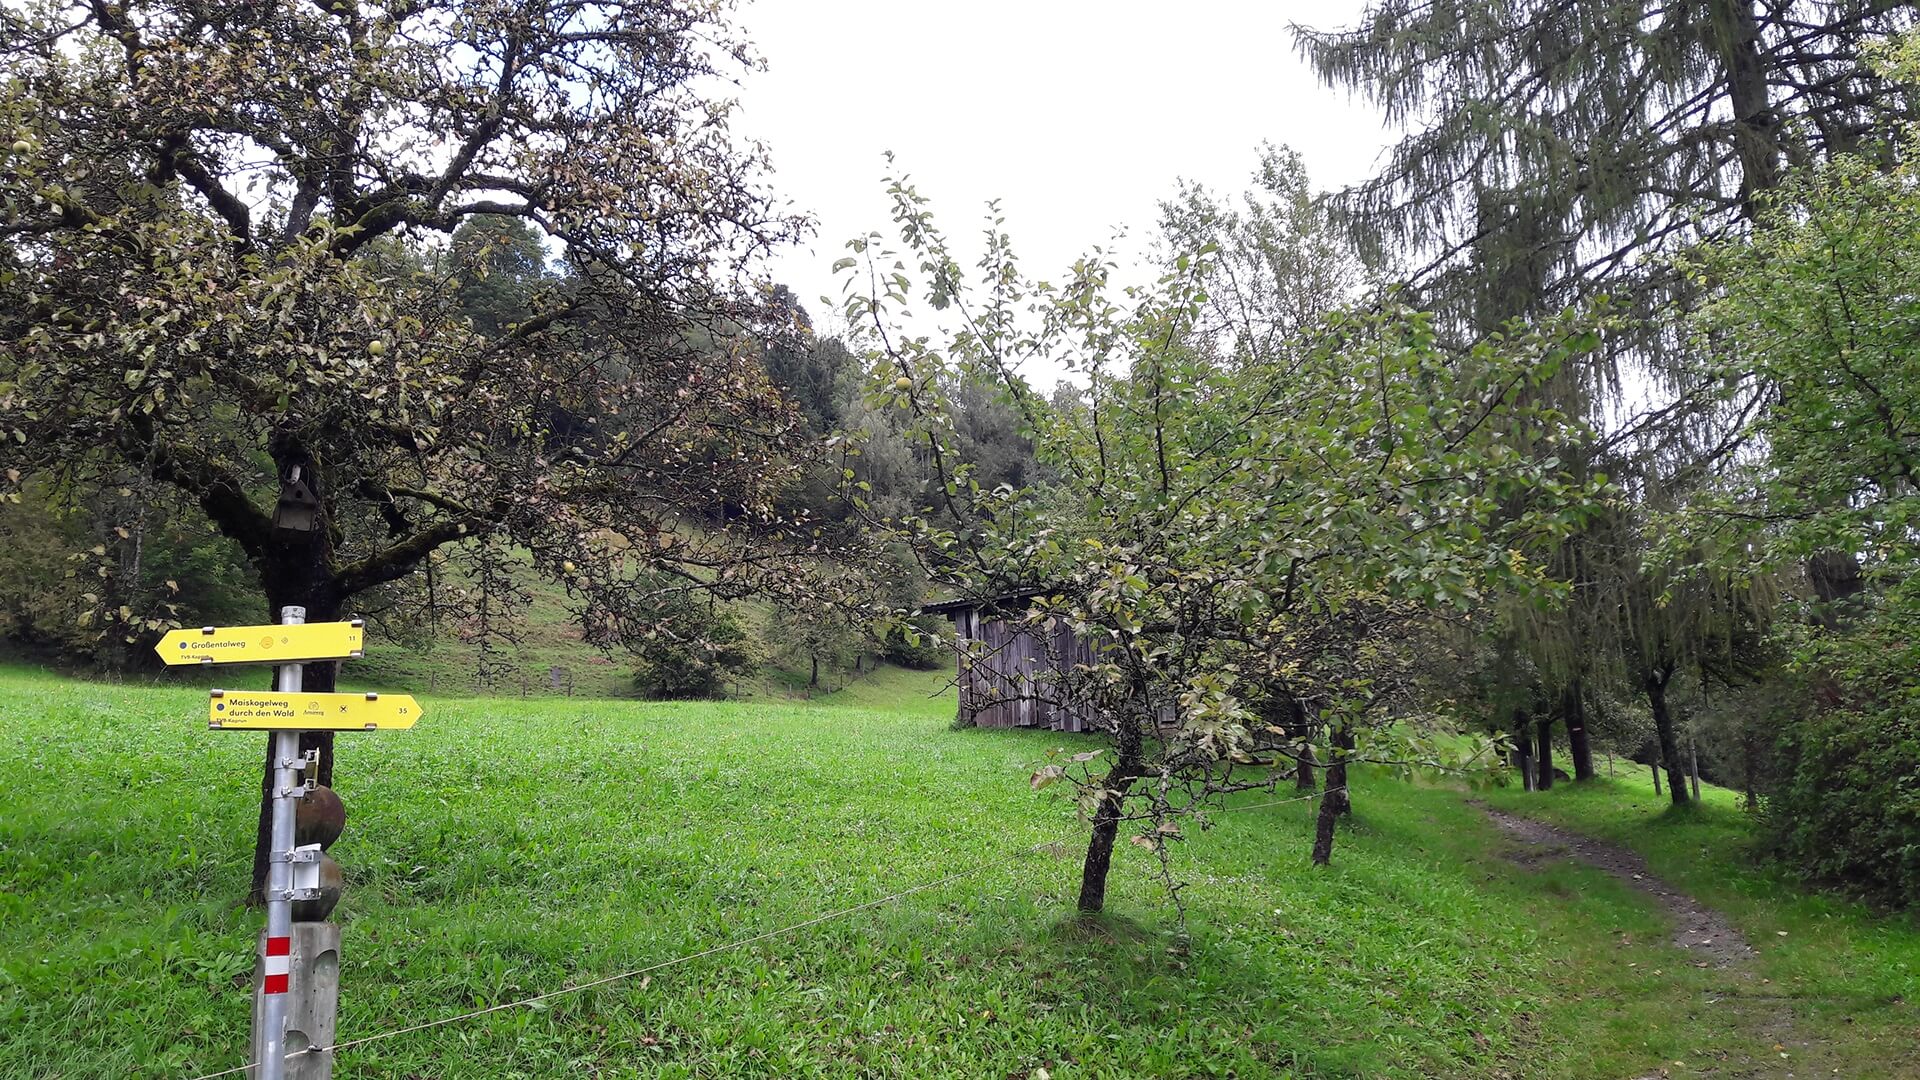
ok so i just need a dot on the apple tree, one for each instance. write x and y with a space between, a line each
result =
216 223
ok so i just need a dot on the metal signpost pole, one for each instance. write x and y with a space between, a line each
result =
276 960
296 990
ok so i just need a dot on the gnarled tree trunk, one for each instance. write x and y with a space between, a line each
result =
1334 800
1106 815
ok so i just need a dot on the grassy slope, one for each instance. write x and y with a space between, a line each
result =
548 636
506 848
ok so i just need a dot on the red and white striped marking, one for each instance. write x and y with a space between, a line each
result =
278 963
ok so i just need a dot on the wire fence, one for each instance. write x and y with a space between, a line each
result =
1004 859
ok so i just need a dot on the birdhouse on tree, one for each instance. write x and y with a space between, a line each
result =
298 512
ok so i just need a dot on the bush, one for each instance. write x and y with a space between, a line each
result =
1847 808
697 657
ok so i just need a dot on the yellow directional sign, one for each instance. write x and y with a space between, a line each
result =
263 644
250 710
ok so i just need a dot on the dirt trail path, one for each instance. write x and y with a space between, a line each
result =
1697 928
1706 934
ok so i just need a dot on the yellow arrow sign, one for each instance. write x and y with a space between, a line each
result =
263 644
249 710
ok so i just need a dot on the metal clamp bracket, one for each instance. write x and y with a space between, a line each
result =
308 762
306 870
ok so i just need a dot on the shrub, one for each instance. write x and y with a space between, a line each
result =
67 568
1846 803
1847 809
704 651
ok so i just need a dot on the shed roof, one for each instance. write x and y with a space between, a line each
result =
949 608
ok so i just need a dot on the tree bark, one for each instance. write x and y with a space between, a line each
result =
1106 817
1654 767
1337 770
1749 782
296 571
1543 747
1334 801
1656 686
1756 126
1303 768
1693 766
1523 748
1323 829
1836 578
1574 708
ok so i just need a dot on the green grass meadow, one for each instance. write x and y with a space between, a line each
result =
505 848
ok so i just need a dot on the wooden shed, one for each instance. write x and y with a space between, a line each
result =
1010 676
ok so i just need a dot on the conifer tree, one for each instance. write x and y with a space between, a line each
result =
1556 145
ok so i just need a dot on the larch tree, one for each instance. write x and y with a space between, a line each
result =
1557 146
211 285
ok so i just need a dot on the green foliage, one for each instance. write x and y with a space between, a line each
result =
1815 322
813 639
1214 526
1845 807
917 644
1557 148
1846 811
41 602
812 371
499 267
237 277
697 655
1225 514
1279 264
98 582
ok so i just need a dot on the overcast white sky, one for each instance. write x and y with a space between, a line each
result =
1079 116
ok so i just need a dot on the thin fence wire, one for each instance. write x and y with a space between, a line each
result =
1004 859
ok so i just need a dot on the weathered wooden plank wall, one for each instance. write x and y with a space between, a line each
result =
1010 678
